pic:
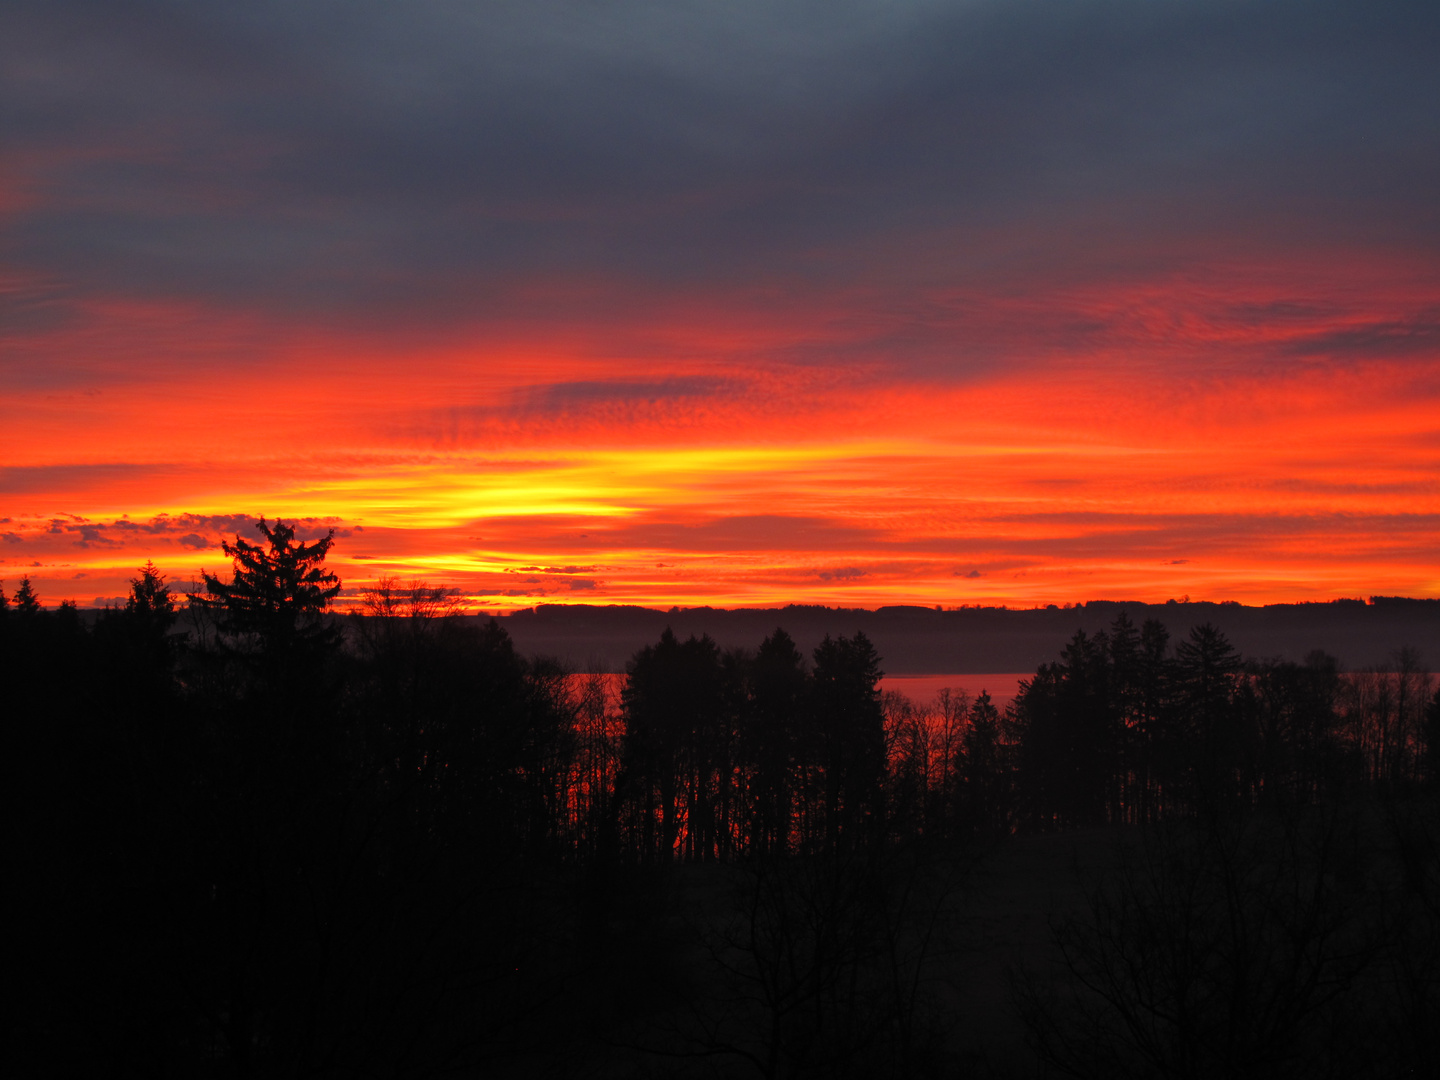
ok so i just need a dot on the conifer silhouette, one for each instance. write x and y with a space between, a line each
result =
277 597
26 602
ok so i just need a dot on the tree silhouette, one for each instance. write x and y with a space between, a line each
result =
1128 699
847 734
277 595
677 755
413 648
150 603
768 739
1291 753
1432 739
27 604
1385 710
277 787
272 612
148 615
137 652
982 771
1070 741
1149 724
406 855
1210 733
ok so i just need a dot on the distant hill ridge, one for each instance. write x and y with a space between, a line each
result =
925 640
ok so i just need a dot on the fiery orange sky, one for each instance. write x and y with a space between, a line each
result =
964 307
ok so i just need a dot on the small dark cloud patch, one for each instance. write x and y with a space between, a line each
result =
1279 311
967 574
552 569
843 573
1177 562
307 529
1420 336
587 393
222 523
94 536
187 530
583 584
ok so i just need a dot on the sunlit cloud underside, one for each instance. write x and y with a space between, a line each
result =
1057 482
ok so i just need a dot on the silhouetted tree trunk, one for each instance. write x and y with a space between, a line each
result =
848 729
778 689
676 760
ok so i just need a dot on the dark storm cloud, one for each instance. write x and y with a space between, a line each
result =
363 159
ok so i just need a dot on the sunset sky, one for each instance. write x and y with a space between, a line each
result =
731 303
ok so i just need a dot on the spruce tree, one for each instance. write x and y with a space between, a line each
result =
27 604
272 614
276 601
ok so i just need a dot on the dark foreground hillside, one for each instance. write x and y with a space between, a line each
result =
1266 944
246 843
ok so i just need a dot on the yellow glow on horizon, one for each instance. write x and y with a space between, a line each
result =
1063 483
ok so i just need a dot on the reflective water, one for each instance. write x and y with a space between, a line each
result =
922 688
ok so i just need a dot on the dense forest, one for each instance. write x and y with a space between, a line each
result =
253 836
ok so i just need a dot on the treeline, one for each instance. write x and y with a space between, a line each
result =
1124 728
257 836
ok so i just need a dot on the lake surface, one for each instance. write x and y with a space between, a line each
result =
921 689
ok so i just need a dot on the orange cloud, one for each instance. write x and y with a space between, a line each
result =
1215 440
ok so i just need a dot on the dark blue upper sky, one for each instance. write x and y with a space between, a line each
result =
360 159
